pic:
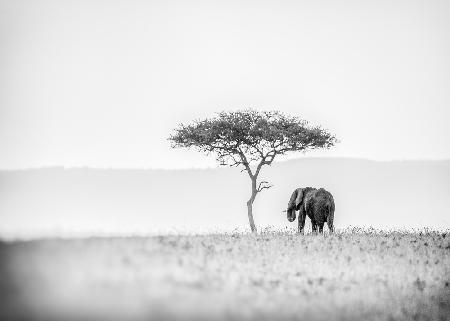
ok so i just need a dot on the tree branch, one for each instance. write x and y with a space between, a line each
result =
272 157
265 162
262 186
245 163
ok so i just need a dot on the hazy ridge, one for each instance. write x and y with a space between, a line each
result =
394 194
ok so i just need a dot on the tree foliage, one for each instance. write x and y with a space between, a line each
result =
246 137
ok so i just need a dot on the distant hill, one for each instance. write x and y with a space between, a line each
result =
58 201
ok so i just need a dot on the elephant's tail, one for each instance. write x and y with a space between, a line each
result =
330 211
329 208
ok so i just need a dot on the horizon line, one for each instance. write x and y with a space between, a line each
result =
70 167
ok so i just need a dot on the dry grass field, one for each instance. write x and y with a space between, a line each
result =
276 275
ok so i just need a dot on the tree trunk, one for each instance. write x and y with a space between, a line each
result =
250 207
250 216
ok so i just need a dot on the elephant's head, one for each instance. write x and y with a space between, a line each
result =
294 203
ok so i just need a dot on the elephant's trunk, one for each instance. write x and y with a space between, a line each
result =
291 214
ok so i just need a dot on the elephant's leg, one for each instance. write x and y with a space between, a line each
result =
313 221
314 226
320 227
330 226
301 222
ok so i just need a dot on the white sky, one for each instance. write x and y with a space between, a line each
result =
103 83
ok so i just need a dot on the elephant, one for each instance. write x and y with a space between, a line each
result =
318 204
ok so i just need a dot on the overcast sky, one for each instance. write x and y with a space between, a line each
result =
103 83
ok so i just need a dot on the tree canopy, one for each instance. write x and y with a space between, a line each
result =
248 136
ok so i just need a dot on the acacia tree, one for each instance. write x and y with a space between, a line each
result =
251 139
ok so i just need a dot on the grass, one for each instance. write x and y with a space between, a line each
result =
352 275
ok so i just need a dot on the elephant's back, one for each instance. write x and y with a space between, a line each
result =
323 195
324 205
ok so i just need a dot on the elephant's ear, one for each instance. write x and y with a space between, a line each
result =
291 204
299 198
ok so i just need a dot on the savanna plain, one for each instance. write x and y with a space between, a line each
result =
354 274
